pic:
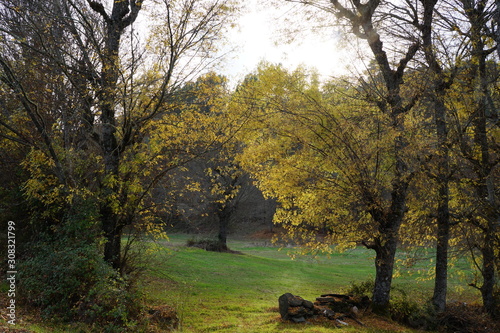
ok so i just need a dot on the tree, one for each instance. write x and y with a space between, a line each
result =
476 115
215 179
439 84
368 21
329 161
121 102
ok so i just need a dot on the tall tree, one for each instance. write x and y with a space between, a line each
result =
477 138
367 21
328 159
121 88
440 82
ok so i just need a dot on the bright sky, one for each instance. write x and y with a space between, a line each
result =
258 38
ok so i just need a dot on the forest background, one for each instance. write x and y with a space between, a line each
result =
105 132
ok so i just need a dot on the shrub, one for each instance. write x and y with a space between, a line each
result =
68 279
364 288
402 308
408 311
73 282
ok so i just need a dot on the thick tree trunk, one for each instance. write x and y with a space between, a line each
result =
441 276
485 186
110 151
438 89
385 244
385 250
443 211
488 271
487 194
112 233
225 211
123 13
389 219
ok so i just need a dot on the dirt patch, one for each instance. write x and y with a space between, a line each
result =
163 318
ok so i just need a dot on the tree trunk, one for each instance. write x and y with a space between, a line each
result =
388 219
385 244
487 194
123 14
224 212
485 184
112 233
443 235
224 215
385 250
488 272
438 89
443 210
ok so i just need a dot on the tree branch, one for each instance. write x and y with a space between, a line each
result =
99 8
32 110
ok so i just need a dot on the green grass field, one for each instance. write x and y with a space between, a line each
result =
228 292
224 292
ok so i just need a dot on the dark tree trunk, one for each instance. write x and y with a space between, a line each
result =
388 219
487 194
488 272
385 249
485 185
385 244
113 233
122 15
437 92
443 235
443 210
224 215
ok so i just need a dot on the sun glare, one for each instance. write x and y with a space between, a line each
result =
259 37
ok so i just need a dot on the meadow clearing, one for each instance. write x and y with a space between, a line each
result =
228 292
238 292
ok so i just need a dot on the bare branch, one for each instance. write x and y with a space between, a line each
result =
99 8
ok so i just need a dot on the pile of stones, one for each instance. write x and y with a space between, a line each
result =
334 307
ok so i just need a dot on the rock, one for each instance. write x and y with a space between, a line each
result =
295 308
330 314
331 306
298 319
308 304
325 299
354 311
284 304
336 296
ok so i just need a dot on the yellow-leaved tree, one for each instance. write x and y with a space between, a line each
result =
100 99
92 95
328 159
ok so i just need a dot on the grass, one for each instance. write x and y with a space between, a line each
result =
224 292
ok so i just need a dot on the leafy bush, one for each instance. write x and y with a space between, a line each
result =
364 288
408 311
67 278
73 282
403 309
